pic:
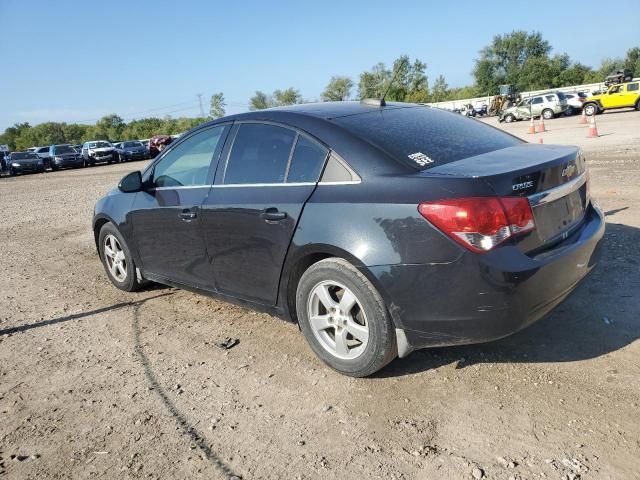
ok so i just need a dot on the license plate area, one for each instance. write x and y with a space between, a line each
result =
557 217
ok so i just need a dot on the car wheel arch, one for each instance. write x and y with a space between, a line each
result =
306 257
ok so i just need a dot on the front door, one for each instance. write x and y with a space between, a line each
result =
166 215
253 209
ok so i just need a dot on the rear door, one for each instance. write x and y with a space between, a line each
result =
261 187
630 95
166 216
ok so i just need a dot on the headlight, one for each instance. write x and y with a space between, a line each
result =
15 164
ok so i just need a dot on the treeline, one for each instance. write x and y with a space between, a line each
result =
521 58
110 127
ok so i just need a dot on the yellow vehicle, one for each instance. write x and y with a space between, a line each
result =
617 96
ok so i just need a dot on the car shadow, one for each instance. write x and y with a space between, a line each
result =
598 318
187 429
77 316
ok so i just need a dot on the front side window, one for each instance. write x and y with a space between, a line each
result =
187 164
306 163
260 154
536 100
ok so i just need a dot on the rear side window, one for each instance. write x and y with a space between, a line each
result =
260 154
306 163
561 96
423 137
550 98
632 87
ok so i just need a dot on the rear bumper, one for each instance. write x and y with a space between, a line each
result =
479 298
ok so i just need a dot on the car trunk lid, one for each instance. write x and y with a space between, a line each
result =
553 177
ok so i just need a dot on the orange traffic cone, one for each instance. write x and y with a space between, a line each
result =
583 118
540 140
540 128
593 130
532 127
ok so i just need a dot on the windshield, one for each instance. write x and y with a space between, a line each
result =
62 149
424 137
23 156
99 145
131 144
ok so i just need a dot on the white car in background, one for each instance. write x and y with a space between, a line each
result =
575 100
98 151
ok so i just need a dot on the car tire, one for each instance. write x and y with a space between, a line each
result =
638 105
367 336
12 172
117 260
590 109
509 118
547 114
53 167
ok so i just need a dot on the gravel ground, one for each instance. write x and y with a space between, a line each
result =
98 383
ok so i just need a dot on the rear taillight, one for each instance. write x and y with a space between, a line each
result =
480 223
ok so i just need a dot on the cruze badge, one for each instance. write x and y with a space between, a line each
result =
421 159
569 170
522 186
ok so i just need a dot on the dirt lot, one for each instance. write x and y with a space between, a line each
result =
98 383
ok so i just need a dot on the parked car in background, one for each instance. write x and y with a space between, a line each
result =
23 162
43 153
64 156
622 95
575 100
131 150
78 148
98 151
157 143
378 228
547 106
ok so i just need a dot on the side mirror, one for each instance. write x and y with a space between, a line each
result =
131 183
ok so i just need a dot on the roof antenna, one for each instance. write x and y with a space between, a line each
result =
379 102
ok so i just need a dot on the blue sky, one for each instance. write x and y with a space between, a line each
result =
75 61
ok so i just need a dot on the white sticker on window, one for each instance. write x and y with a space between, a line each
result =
421 159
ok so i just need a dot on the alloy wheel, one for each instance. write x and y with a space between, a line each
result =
338 320
115 258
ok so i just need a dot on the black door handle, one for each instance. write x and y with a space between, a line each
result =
187 214
273 215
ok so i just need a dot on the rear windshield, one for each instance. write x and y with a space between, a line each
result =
424 137
561 96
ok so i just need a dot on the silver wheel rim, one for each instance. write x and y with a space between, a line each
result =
547 115
114 256
338 320
589 110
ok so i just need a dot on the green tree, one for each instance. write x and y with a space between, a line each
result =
632 61
372 83
338 89
439 90
217 108
260 101
502 61
290 96
11 134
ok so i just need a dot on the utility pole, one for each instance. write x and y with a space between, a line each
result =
199 95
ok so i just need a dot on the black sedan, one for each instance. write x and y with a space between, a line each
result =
23 162
131 150
379 229
65 156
